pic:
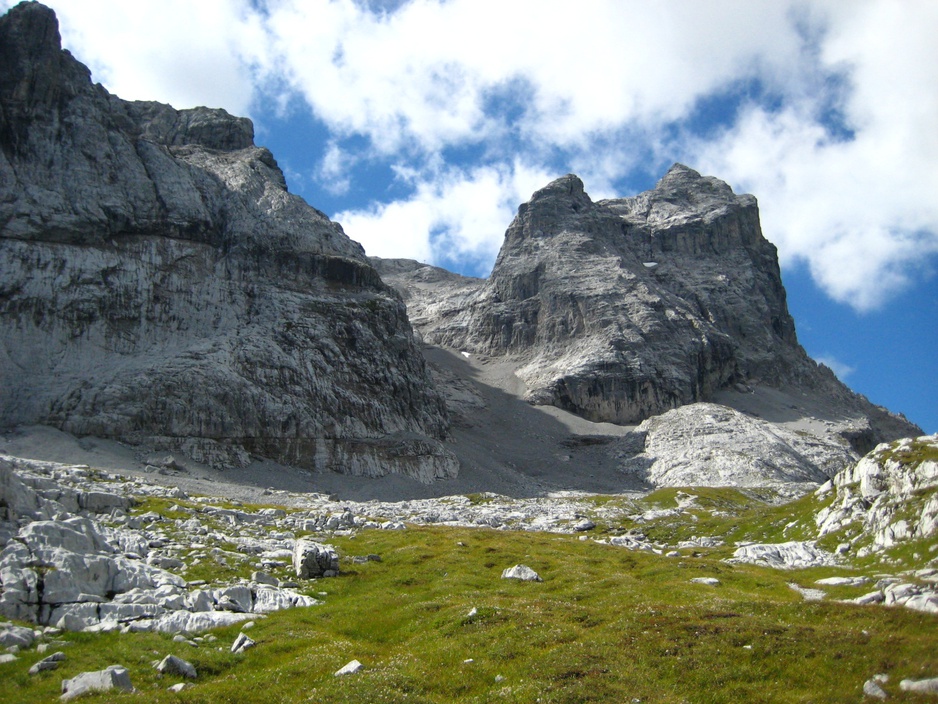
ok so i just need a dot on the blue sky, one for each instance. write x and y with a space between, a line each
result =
421 125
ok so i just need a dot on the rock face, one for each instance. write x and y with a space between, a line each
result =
620 310
159 285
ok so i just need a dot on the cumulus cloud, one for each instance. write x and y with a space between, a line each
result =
455 216
425 74
860 208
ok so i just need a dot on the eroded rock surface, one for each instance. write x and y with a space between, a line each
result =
159 285
80 569
888 497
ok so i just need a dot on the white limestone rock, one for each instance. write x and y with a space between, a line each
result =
312 559
872 688
895 479
924 686
521 572
113 677
790 555
350 669
189 622
242 643
705 444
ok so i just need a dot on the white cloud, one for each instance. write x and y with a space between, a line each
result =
334 172
422 75
456 215
861 211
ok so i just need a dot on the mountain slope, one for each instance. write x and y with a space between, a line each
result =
159 285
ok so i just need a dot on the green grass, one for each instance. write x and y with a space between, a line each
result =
606 625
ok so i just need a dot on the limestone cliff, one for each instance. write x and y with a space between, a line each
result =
159 285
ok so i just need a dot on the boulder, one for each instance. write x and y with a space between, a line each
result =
926 686
113 677
172 665
312 559
872 688
350 669
16 636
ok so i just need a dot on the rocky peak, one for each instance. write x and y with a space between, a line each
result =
622 309
37 75
205 127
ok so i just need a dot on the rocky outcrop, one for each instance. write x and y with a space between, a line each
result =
63 566
620 310
889 497
159 285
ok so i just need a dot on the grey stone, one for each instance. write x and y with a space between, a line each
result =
710 581
172 665
522 572
18 636
872 688
264 578
49 663
242 643
113 677
312 559
238 598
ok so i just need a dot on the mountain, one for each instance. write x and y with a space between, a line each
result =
160 286
648 310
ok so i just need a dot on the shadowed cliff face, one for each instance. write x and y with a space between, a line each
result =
623 309
158 284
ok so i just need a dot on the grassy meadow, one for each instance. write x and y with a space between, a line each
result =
433 622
